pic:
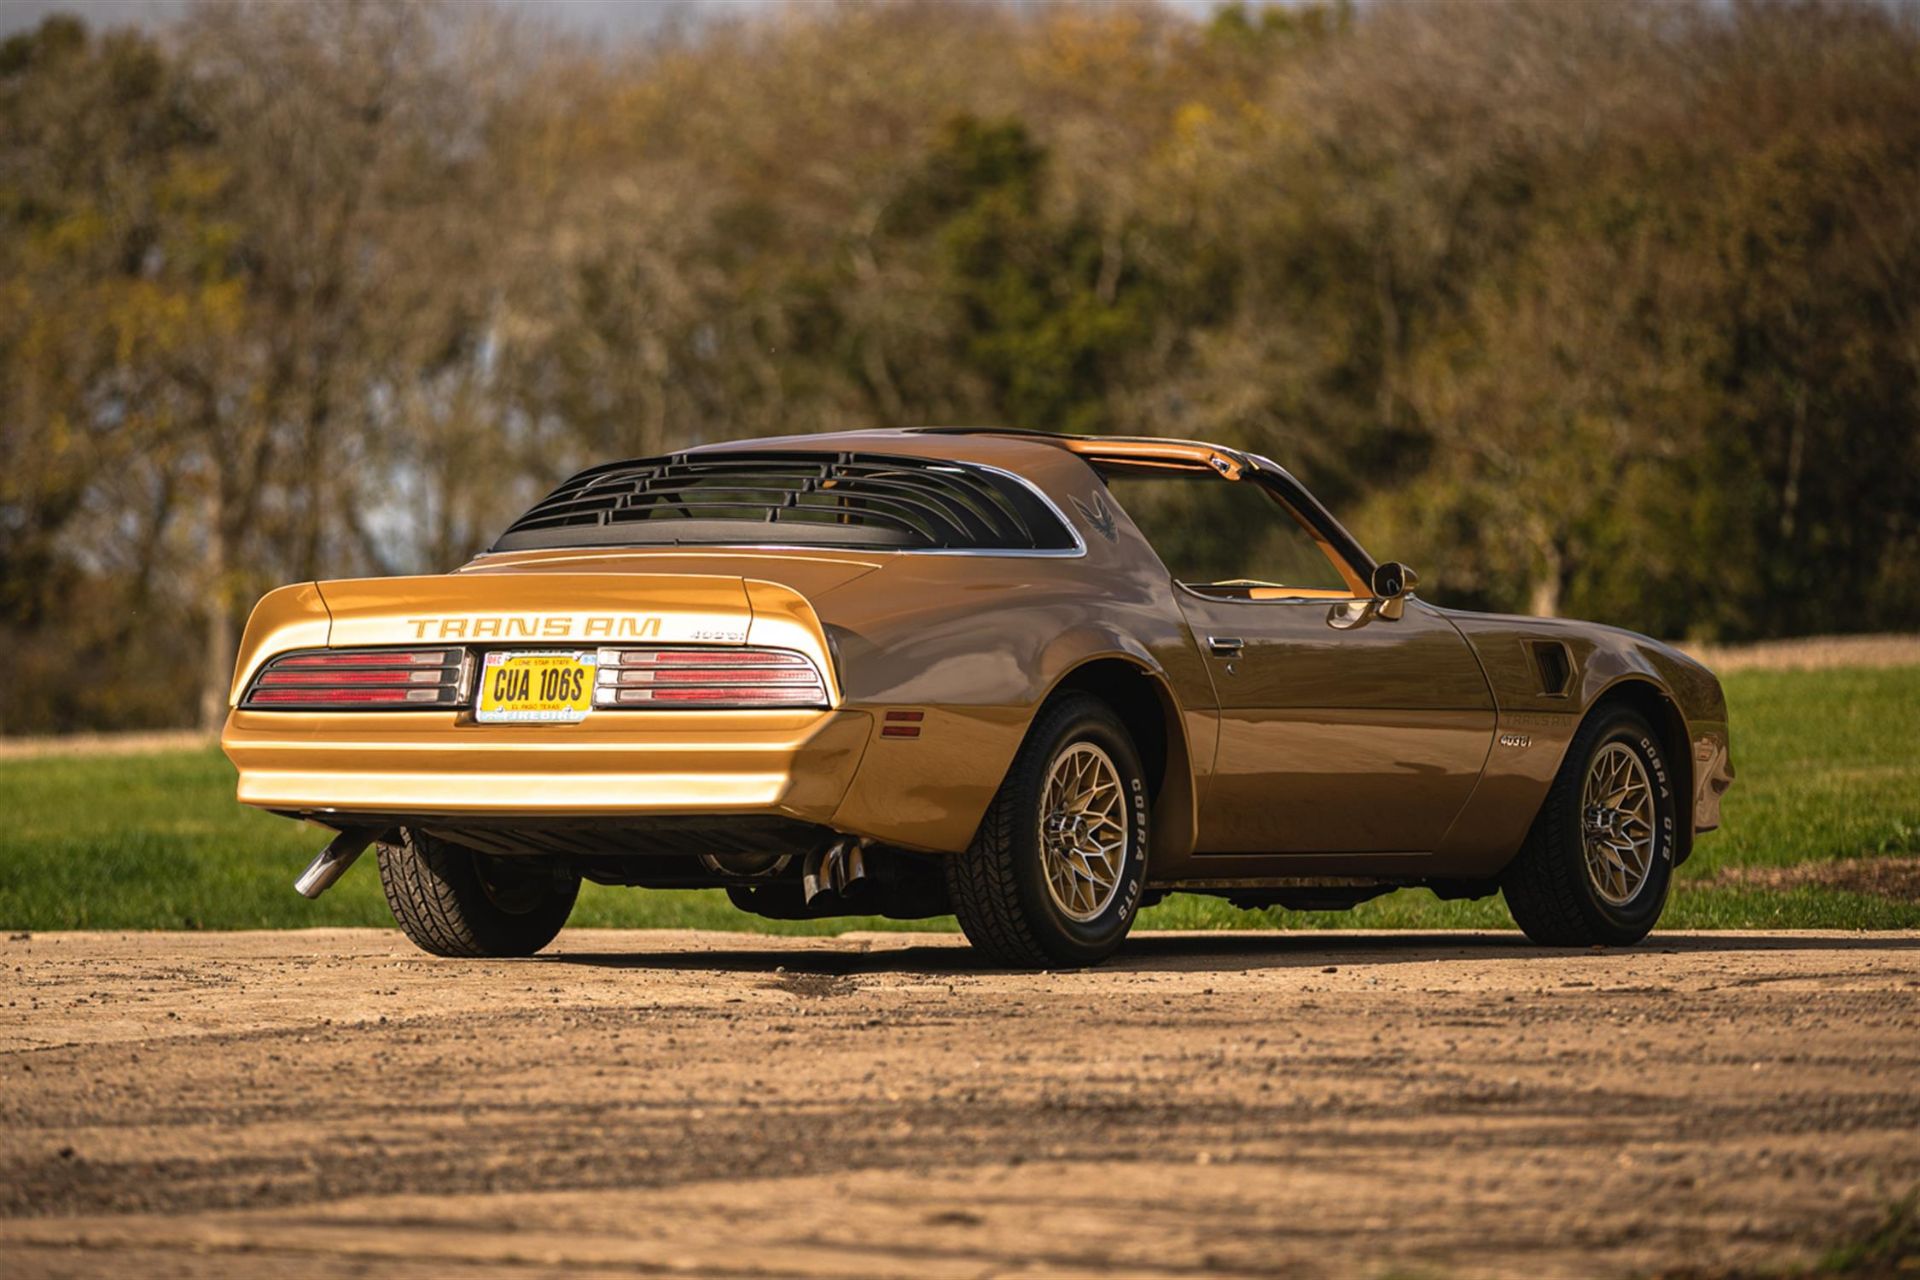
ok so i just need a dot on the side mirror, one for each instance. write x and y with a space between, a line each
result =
1393 580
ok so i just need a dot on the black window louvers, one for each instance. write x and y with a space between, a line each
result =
845 499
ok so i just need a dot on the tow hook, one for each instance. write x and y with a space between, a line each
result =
332 862
834 869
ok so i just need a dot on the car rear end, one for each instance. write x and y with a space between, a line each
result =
614 694
539 694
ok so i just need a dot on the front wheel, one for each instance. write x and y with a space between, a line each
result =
452 901
1598 862
1055 873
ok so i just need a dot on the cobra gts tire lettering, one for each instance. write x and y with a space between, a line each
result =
1651 753
1130 896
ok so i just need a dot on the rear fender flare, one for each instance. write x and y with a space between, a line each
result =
931 791
1159 729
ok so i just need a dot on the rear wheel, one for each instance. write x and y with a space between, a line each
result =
1597 864
1055 873
452 901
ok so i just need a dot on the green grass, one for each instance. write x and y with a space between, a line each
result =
1828 767
1890 1247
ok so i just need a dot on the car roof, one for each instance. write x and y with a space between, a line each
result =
1014 449
1198 453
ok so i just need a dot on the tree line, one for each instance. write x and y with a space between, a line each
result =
1610 309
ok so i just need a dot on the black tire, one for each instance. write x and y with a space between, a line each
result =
999 887
452 901
1548 887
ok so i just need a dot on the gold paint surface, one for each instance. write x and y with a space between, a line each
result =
761 762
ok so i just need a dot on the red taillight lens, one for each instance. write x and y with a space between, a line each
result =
427 677
350 679
713 678
336 658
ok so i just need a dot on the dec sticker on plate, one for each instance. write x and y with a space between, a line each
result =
541 688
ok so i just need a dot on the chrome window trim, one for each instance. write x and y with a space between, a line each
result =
1201 595
1009 553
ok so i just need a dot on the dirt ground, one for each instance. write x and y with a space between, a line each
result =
1893 877
331 1103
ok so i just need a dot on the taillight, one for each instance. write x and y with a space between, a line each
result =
714 678
357 680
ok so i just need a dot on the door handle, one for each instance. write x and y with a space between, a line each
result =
1225 646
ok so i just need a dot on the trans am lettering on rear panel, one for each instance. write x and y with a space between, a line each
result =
590 627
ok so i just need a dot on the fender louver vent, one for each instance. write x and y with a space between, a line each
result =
824 499
1555 667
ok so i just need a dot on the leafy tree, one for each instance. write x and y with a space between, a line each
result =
1605 308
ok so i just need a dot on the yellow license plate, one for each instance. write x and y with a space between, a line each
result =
541 688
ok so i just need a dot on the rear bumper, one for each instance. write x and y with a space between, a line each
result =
792 763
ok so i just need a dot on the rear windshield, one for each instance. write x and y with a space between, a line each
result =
756 498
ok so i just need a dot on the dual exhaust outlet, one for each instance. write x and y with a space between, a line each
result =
833 869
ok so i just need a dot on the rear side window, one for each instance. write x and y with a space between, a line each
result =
1230 538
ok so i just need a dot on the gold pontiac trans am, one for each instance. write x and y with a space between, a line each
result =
1036 681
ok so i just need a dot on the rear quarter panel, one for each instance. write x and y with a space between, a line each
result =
975 643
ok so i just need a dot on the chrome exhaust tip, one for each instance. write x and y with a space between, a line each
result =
332 862
833 869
